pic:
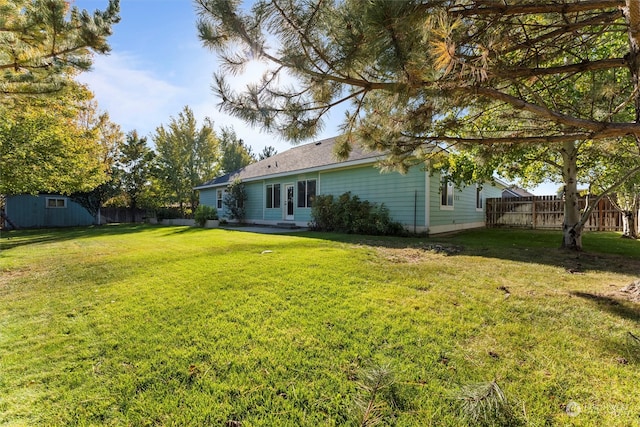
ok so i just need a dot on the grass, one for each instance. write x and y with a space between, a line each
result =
140 325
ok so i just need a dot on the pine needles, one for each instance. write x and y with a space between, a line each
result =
375 395
485 404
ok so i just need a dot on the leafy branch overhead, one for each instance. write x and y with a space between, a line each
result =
434 70
533 90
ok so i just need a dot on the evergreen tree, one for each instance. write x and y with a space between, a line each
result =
267 152
235 153
422 76
43 43
235 200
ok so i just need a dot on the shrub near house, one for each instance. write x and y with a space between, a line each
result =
285 187
348 214
205 213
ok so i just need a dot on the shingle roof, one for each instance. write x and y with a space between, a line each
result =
517 191
297 159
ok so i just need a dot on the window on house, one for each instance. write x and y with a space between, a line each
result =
478 197
219 195
446 193
56 202
306 193
273 196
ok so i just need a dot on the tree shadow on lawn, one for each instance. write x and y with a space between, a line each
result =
619 306
605 252
16 238
625 348
181 229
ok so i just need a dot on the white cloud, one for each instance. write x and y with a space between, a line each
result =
137 98
134 98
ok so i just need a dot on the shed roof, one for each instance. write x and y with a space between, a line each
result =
307 157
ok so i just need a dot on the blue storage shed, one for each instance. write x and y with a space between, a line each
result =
46 210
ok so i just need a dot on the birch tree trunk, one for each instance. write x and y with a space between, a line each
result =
572 225
630 220
626 230
632 14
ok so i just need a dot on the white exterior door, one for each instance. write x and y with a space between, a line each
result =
289 202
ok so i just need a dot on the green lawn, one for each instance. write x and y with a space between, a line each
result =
141 325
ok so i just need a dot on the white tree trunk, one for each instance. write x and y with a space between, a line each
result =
630 224
572 225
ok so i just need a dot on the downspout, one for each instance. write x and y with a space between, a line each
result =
427 200
415 211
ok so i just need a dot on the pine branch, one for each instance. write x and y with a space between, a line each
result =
372 385
599 130
603 64
478 9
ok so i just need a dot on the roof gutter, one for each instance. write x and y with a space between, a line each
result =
332 166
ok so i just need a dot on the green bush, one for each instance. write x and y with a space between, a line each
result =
204 213
349 214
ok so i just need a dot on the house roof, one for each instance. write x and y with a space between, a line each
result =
304 158
517 192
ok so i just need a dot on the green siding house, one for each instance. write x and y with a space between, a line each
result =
281 189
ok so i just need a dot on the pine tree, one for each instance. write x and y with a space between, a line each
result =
419 75
43 43
267 152
235 153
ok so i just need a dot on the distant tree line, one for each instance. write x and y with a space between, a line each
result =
54 139
160 177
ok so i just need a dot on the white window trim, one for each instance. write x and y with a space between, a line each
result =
453 197
481 195
64 202
219 200
273 195
306 191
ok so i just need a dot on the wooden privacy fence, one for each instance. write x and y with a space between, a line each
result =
124 215
547 212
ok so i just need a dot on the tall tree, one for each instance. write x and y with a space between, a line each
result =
627 201
444 73
602 167
111 139
187 157
267 152
44 42
235 153
45 147
627 193
135 165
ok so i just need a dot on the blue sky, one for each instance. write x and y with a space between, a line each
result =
157 66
